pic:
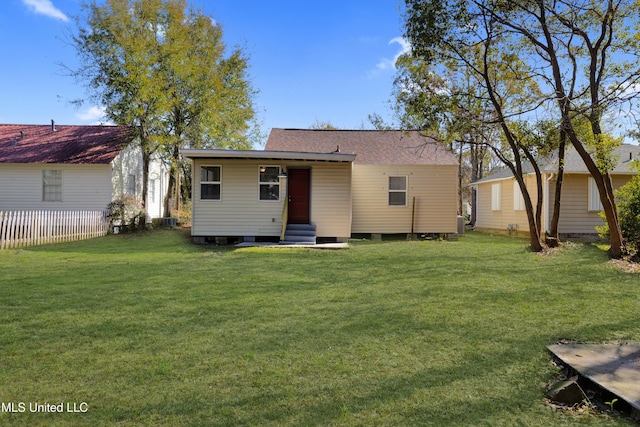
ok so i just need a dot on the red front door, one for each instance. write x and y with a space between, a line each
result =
299 185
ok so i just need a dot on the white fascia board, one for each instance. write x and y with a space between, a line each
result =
267 155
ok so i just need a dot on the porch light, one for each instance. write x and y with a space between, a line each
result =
282 175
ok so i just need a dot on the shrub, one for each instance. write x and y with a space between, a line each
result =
126 212
629 212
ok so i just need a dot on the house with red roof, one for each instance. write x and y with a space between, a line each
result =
309 186
62 168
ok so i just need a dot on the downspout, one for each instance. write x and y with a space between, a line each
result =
285 205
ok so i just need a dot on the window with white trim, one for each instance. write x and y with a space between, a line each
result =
496 196
52 185
594 196
210 182
269 182
397 191
518 198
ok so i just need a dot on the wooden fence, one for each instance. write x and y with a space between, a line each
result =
27 228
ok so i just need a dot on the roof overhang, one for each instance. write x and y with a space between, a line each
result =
267 155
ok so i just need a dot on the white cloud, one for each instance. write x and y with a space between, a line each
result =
386 63
93 114
45 7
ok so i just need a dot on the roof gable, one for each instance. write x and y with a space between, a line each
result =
370 146
65 144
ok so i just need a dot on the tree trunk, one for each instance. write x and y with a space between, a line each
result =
172 185
605 190
146 159
167 196
539 199
460 210
534 227
147 151
602 180
554 238
474 177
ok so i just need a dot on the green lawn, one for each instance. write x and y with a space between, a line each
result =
150 330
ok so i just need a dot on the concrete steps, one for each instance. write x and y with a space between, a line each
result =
299 234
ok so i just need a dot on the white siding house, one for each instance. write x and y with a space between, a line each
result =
65 168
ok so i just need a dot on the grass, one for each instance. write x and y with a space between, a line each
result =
150 330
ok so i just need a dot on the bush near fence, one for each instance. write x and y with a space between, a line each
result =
27 228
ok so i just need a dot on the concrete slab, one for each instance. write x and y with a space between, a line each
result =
615 368
278 245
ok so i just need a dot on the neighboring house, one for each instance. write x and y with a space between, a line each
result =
64 168
500 206
337 181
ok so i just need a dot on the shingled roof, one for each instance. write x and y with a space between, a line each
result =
65 144
625 155
370 146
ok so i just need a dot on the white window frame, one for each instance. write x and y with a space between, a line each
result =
52 192
218 183
518 198
405 191
496 196
268 183
594 203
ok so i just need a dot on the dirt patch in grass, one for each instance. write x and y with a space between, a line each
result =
626 266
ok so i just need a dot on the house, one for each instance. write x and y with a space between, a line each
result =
500 205
334 183
64 168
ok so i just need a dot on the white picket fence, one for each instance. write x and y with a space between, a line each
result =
27 228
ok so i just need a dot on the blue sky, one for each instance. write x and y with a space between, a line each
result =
328 61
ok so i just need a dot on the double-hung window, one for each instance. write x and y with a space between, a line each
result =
397 191
52 185
269 183
210 182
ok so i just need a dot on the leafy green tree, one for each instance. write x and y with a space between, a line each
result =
210 98
450 34
161 67
446 103
581 54
118 66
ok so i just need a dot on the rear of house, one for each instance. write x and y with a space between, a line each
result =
403 181
335 183
254 195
